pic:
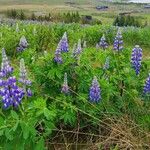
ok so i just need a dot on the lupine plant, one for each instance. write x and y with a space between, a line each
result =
11 94
58 57
64 43
118 41
136 58
23 44
95 92
103 44
24 79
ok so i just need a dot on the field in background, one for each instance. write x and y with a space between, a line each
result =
84 7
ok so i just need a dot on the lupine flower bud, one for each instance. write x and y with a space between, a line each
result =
24 79
106 65
6 69
58 58
23 44
74 50
77 49
95 92
64 43
136 59
103 42
118 42
146 89
65 87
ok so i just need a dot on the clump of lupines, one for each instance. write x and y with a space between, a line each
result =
95 92
23 44
118 41
64 43
11 94
136 58
65 87
146 89
58 58
107 62
24 79
103 44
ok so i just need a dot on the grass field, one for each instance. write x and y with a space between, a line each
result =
84 7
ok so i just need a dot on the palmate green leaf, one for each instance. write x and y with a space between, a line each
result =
25 129
8 134
49 114
15 126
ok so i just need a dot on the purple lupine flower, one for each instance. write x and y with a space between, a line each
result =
6 69
146 89
95 92
11 94
118 41
24 78
65 87
136 59
58 58
23 44
103 42
64 43
106 65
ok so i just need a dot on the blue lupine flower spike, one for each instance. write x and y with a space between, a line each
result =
136 58
95 92
118 41
58 58
11 94
23 44
103 44
146 89
64 43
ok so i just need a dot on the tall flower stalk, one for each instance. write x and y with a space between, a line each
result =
23 44
23 79
146 89
58 57
11 94
95 92
136 58
118 41
103 44
64 43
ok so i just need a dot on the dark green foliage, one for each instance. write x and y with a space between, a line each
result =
123 20
35 122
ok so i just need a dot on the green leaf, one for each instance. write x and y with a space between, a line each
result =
25 130
15 126
14 115
40 144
